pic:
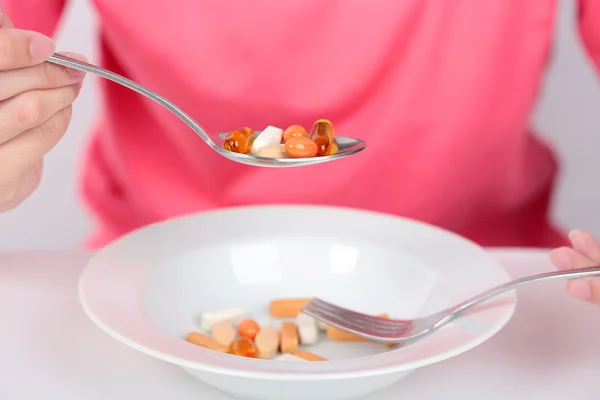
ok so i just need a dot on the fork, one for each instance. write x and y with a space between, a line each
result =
386 330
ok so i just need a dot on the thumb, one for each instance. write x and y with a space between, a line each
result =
5 22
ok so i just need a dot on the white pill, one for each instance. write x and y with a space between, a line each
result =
307 329
268 137
208 319
288 357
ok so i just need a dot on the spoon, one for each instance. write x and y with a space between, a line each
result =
347 146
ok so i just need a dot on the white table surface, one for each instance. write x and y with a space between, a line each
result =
50 350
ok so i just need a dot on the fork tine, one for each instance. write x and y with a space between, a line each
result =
346 320
346 325
365 324
371 320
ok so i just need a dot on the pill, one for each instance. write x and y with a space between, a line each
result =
323 134
224 333
289 337
294 131
240 141
208 319
308 356
268 137
288 357
267 342
287 308
244 347
307 329
274 151
339 335
248 328
207 342
301 147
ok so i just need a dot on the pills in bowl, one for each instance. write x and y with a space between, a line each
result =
288 336
293 142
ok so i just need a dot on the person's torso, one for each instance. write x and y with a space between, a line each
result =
440 91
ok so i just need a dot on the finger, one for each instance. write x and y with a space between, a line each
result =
30 109
13 194
20 49
41 76
585 244
585 289
565 258
19 154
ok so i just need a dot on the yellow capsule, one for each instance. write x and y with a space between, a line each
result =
240 141
323 134
244 347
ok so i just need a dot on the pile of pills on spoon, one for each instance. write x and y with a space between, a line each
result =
228 331
294 142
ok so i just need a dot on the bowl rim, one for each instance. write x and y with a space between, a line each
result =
224 364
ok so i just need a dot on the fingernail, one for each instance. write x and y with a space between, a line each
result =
561 259
579 288
40 47
574 233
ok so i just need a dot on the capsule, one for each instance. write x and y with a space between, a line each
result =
294 131
287 308
244 347
240 141
308 356
207 342
323 134
301 147
339 335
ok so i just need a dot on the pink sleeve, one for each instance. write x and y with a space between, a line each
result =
589 28
36 15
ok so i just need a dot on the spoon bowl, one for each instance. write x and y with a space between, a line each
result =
347 146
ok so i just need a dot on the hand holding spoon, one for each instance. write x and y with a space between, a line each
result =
347 146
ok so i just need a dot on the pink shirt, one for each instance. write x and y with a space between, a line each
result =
441 91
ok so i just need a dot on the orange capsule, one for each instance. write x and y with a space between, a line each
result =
301 147
323 134
248 328
240 141
244 347
294 131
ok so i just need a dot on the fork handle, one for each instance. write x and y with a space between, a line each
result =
571 274
136 87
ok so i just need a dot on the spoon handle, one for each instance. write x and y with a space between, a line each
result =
571 274
121 80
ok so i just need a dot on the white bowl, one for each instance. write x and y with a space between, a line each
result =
148 288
